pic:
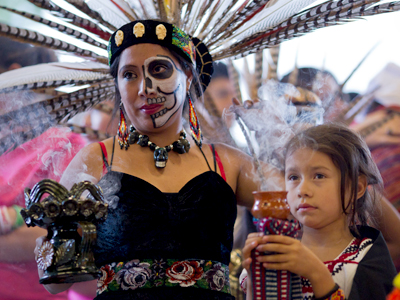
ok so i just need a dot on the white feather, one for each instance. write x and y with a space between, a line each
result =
269 17
53 72
109 12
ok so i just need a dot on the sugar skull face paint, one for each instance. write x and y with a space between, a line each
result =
165 80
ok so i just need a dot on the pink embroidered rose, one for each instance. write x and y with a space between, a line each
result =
107 275
186 273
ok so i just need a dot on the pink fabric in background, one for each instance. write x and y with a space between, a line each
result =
72 295
46 156
21 282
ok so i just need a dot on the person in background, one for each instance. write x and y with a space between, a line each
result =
324 85
380 127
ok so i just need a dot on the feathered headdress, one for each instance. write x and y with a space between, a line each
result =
228 29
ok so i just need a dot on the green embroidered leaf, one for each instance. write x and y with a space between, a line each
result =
168 283
113 286
202 283
158 282
148 284
118 267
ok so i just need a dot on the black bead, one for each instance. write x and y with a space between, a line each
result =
183 134
152 146
131 128
179 147
168 148
186 144
143 141
133 137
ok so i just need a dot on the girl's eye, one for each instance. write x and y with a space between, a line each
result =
292 177
319 176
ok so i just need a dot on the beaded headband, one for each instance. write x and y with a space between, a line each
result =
167 35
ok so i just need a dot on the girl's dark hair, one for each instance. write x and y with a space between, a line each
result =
351 155
195 91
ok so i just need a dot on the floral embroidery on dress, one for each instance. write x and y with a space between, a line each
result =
133 275
158 267
186 273
153 273
216 277
107 275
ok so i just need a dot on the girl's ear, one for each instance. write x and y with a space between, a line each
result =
361 186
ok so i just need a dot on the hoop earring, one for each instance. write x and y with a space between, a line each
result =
195 130
122 129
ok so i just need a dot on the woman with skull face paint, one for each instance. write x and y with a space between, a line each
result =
169 230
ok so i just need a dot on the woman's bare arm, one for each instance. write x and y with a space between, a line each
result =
389 225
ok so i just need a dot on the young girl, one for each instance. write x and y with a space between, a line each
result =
331 181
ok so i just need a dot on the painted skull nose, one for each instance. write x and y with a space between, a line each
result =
149 84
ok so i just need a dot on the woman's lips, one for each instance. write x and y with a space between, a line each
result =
304 207
151 109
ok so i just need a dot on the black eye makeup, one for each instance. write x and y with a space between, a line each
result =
160 69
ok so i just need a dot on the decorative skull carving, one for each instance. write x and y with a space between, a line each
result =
160 157
167 82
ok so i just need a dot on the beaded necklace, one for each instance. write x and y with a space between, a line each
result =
181 146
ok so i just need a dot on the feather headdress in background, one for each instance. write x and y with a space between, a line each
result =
229 29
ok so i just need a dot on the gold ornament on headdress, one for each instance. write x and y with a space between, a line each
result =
119 38
161 31
138 30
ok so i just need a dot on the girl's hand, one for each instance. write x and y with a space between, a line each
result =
293 256
290 255
253 240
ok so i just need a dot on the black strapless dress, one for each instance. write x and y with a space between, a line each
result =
157 245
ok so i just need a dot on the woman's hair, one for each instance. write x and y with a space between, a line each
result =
195 91
351 155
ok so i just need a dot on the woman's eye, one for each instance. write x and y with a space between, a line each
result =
129 75
159 69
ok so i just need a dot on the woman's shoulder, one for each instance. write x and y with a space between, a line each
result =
87 164
95 148
230 152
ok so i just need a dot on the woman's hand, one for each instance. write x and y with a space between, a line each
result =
52 288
